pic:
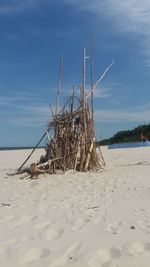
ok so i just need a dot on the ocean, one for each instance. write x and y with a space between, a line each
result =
129 145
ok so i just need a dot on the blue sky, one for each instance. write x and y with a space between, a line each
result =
33 35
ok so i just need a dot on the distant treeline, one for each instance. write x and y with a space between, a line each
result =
128 136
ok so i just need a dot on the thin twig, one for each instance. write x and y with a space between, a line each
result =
99 80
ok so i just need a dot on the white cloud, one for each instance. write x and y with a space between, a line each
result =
102 92
10 6
137 115
38 116
130 15
126 16
23 110
18 100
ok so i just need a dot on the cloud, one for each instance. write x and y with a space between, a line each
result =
21 110
136 115
28 117
126 17
11 6
129 15
18 100
102 93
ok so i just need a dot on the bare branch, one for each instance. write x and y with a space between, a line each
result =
99 80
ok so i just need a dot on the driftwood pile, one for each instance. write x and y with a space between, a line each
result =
72 144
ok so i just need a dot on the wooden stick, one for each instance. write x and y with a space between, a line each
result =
58 90
51 110
99 80
33 150
62 117
92 93
68 102
88 157
47 162
76 156
72 102
101 155
83 86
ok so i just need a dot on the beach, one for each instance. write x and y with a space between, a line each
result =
76 219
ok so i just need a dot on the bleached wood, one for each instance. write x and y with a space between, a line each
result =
58 90
88 157
99 80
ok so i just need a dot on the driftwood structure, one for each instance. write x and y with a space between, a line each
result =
73 143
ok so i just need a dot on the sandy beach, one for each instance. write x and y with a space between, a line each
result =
77 219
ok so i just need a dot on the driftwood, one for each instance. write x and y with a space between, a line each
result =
88 157
99 80
73 143
33 150
35 171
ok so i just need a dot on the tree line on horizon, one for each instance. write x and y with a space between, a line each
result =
127 136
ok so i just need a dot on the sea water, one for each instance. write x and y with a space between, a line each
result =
129 145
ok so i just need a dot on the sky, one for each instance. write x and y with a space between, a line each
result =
33 36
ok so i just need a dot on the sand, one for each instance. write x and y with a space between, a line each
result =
77 219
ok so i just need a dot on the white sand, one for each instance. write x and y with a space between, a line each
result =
77 219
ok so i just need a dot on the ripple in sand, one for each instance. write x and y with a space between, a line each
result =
135 249
100 258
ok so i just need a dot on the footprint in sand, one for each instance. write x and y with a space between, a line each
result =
2 250
70 256
114 228
41 225
115 253
147 247
145 224
5 247
105 258
138 212
8 218
33 254
79 223
137 249
101 257
52 233
9 242
111 257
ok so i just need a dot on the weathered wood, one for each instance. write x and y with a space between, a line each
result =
58 89
35 170
33 150
88 157
47 163
72 144
92 91
99 80
101 156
